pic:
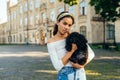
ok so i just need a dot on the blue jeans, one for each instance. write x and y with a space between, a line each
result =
64 73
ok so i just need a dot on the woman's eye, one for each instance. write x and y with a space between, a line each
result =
65 23
70 25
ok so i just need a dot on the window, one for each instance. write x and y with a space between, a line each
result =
52 15
9 17
31 5
20 9
26 20
14 14
20 37
83 30
33 35
26 7
71 9
83 8
61 9
43 16
13 38
110 31
37 3
52 1
31 20
20 21
37 16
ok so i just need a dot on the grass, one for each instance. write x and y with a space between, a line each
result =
118 48
105 66
96 47
103 70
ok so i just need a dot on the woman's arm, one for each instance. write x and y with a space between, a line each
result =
90 57
59 63
65 59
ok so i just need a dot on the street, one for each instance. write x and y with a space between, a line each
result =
25 63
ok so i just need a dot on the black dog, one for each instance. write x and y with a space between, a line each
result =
80 55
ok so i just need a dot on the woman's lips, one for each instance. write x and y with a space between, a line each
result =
64 31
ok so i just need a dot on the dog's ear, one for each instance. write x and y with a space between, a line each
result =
83 38
68 47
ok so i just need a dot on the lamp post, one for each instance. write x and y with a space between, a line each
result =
27 39
104 45
9 37
114 35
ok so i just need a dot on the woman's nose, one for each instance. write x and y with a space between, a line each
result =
67 26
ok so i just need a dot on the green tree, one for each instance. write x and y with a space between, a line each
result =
108 9
70 2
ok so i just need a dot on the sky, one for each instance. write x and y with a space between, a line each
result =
3 10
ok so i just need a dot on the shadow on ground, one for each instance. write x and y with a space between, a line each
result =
105 66
26 68
21 48
33 63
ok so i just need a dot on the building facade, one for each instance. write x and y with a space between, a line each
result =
2 33
32 22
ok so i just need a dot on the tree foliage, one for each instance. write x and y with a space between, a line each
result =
70 2
108 9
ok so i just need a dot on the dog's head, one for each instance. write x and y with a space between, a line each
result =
77 39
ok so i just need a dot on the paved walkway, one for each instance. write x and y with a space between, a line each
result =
32 62
25 63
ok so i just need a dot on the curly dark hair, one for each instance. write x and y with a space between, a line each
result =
81 54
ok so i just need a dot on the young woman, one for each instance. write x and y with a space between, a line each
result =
58 54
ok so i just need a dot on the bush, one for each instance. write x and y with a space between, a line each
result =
118 48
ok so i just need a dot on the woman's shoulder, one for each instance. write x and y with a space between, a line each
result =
50 40
53 40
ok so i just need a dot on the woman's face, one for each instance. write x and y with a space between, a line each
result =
64 25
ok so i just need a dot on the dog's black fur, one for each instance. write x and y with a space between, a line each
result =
81 54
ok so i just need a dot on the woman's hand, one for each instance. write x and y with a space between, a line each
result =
76 65
74 47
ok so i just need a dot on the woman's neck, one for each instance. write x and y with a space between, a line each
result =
60 36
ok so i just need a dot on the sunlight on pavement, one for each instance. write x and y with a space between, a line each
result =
90 72
22 54
47 71
113 57
1 68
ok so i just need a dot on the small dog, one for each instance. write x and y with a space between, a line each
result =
81 54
